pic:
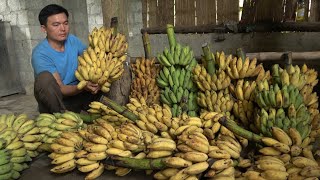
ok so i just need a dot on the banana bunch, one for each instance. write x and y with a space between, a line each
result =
14 155
263 76
310 98
244 110
217 102
211 125
20 128
222 61
97 139
128 139
267 167
107 113
179 76
65 150
286 156
244 90
160 147
51 126
240 69
108 41
178 90
155 118
311 75
138 105
274 97
177 55
293 118
144 83
13 160
102 62
224 149
290 75
192 158
218 81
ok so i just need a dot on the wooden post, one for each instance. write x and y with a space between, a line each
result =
116 11
146 45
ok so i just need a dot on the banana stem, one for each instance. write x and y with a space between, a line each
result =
239 130
241 54
146 45
88 118
171 35
120 109
209 59
132 163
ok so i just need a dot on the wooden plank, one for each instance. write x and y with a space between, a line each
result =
314 11
205 12
152 4
290 10
227 10
165 10
185 13
145 13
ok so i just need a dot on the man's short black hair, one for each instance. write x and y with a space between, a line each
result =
50 10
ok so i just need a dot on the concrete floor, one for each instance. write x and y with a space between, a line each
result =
18 104
40 167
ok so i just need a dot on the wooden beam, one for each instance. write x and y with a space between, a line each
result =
240 28
275 56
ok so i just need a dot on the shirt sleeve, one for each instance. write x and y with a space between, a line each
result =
41 62
80 45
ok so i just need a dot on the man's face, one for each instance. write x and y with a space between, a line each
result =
57 27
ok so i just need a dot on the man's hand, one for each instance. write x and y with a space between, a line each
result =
92 87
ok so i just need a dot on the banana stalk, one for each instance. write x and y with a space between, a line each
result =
232 126
88 118
132 163
146 45
209 58
241 54
171 36
120 109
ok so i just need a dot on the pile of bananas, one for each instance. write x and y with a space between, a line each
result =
144 84
52 125
285 156
19 140
102 62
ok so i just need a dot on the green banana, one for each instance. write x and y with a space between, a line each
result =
15 174
260 100
163 60
6 168
174 110
6 176
3 118
162 76
20 119
179 94
171 83
166 53
272 97
18 152
182 76
170 57
173 97
175 77
161 83
186 79
285 96
185 51
10 119
165 100
177 53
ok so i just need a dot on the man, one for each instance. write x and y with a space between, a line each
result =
54 61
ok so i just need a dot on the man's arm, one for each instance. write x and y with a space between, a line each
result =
67 90
71 90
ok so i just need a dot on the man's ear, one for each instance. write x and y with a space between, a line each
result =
44 28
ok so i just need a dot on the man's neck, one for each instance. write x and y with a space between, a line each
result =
57 45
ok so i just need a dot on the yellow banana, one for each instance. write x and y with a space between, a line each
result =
95 173
177 162
97 156
63 158
158 154
196 168
65 167
88 168
84 162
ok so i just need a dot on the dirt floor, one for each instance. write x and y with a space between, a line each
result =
39 168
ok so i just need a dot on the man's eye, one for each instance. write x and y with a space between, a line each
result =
55 24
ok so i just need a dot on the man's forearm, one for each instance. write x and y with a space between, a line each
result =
70 90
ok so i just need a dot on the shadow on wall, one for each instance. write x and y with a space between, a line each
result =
9 76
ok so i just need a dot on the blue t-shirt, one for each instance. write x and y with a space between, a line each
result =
45 58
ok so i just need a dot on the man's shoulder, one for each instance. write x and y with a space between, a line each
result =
40 46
